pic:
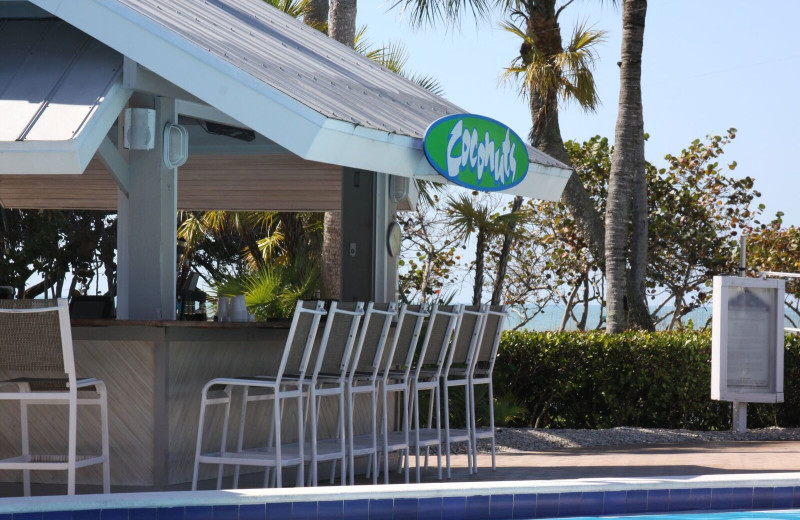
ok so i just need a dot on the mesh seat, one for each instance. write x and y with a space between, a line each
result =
36 349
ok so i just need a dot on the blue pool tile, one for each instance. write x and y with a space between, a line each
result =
614 502
28 516
88 514
700 499
569 504
782 498
250 512
353 510
501 507
524 506
328 510
63 515
432 509
658 501
742 498
452 507
680 499
381 509
112 514
171 513
304 511
5 516
149 513
636 501
592 504
762 497
197 513
546 505
225 512
796 497
477 508
721 498
275 511
405 508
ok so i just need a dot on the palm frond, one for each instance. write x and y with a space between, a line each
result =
430 12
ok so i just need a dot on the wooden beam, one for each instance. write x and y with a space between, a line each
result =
115 163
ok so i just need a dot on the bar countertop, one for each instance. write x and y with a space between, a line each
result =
236 325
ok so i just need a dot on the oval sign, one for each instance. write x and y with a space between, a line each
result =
476 152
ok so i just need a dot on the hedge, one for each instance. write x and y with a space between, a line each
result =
657 380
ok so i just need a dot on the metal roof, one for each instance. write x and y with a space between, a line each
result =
304 64
255 65
54 81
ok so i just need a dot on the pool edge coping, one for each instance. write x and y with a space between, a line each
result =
160 499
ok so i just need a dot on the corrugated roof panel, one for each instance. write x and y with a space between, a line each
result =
52 80
304 64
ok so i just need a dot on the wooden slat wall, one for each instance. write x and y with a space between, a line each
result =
205 182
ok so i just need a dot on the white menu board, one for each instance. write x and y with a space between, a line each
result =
747 340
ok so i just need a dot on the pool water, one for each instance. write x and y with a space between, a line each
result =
793 514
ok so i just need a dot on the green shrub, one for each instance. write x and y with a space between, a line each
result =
658 380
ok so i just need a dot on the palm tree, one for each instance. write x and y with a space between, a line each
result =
550 73
470 216
627 174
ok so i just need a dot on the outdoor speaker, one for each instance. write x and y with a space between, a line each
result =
140 129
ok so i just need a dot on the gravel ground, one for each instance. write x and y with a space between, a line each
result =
516 440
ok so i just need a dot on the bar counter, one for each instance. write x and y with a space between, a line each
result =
154 371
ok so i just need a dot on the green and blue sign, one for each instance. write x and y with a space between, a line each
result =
476 152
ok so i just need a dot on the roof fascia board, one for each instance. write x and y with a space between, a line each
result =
39 157
68 157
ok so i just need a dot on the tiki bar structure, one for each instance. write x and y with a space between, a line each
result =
149 107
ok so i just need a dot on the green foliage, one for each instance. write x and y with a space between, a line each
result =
272 291
655 380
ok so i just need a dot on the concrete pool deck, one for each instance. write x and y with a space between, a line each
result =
632 461
695 458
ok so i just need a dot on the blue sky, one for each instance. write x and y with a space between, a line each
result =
708 65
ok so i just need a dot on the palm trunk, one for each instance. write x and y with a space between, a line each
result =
639 314
342 21
480 249
505 252
545 135
317 14
628 141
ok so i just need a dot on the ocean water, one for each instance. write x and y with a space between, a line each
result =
550 319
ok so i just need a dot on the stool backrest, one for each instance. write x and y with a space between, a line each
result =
372 339
466 338
338 338
302 334
36 338
438 337
494 324
400 354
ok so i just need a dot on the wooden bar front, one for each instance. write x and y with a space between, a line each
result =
155 372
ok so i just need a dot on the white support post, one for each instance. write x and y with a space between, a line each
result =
385 270
146 249
739 420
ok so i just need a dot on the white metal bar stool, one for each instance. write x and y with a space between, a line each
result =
36 340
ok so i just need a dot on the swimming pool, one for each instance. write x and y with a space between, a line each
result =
512 500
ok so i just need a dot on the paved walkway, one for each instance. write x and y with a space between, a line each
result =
659 460
632 461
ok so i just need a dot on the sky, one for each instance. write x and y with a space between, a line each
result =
708 65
